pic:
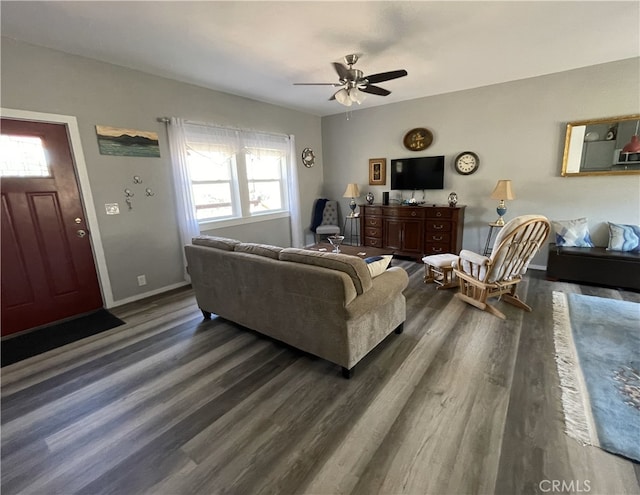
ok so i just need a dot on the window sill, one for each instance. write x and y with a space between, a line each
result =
231 222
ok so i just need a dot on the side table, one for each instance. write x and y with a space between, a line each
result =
350 219
488 247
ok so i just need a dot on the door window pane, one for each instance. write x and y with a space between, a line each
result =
23 156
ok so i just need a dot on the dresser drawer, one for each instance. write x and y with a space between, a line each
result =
373 242
439 212
372 222
437 248
442 236
405 212
373 210
373 232
437 226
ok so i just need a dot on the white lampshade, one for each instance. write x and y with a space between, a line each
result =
343 98
356 95
503 190
352 191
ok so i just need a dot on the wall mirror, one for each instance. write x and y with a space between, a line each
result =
597 147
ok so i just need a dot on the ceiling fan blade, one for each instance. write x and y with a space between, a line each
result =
375 90
342 70
386 76
316 84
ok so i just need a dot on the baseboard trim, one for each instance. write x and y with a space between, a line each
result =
137 297
538 267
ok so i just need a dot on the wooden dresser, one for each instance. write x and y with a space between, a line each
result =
413 231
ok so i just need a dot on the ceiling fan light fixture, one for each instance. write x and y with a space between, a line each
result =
343 98
354 85
356 95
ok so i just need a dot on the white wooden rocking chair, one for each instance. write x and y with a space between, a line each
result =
482 277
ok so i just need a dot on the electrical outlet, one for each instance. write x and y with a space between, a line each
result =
142 280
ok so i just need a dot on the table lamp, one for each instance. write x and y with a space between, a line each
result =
502 192
352 192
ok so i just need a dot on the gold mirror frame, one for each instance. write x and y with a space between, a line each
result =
577 141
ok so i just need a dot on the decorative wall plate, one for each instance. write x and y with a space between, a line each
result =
308 158
418 139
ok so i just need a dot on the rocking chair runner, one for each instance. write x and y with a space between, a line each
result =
482 277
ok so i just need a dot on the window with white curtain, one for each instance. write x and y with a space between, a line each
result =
236 174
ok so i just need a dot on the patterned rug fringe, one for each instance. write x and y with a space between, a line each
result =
578 424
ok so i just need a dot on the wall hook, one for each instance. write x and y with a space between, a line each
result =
128 194
149 192
137 179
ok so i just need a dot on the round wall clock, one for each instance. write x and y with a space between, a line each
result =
308 158
418 139
466 163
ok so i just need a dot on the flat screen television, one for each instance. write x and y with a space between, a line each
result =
425 172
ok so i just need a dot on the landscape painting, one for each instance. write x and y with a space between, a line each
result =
127 142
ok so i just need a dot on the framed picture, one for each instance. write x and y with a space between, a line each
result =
127 142
377 171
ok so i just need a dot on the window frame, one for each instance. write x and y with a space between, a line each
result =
239 181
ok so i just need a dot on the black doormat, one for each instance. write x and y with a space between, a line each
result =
50 337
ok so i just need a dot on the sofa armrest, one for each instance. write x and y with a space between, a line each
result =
384 288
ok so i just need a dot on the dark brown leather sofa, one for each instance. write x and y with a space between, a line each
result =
594 265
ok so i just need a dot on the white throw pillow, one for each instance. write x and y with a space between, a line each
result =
572 233
624 237
378 264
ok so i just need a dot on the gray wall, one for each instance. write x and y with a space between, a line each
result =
145 239
517 129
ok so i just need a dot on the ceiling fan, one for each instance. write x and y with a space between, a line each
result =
354 83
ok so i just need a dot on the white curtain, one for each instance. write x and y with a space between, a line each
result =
233 141
262 142
297 236
187 223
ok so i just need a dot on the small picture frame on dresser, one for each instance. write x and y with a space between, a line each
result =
377 171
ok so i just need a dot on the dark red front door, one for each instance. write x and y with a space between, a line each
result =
48 271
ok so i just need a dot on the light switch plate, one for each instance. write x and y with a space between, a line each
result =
112 208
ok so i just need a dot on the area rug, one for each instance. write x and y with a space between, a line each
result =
53 336
598 356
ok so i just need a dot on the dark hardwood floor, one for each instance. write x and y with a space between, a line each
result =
461 402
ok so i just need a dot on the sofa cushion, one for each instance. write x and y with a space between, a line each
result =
378 264
572 233
353 266
266 250
624 237
215 242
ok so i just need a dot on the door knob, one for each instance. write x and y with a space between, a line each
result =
81 233
78 220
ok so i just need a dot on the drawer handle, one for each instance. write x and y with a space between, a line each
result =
438 227
439 238
439 214
413 213
372 222
436 250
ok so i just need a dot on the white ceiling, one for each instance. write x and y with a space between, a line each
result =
259 49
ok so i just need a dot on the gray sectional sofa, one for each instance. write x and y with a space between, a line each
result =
325 304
